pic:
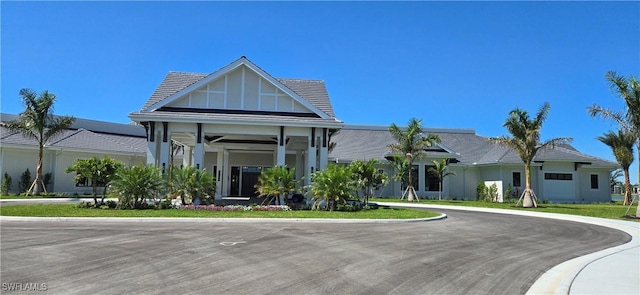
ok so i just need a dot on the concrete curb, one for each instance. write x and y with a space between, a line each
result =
215 220
580 275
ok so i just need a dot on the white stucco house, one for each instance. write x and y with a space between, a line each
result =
239 120
562 174
84 139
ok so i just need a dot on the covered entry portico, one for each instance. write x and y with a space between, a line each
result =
237 122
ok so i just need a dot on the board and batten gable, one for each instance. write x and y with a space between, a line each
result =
240 89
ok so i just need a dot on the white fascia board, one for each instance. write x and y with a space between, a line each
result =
336 124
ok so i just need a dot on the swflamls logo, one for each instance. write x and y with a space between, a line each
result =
24 286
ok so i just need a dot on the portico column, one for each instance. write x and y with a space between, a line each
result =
220 173
152 144
281 150
421 178
165 147
226 181
299 165
324 149
311 157
198 151
186 156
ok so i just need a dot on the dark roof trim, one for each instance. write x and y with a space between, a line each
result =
237 112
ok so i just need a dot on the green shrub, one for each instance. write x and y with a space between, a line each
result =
85 205
47 179
25 181
111 204
5 187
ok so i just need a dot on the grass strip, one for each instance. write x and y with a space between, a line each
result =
602 210
70 210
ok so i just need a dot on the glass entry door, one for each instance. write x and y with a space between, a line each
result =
244 179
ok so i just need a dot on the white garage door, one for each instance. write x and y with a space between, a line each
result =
558 187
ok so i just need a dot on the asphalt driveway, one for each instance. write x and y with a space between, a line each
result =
467 253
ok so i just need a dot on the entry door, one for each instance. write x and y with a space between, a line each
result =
235 181
250 176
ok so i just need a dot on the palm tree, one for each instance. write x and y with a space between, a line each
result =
276 183
136 184
439 169
190 183
411 143
629 90
622 146
613 178
367 177
38 123
525 141
333 185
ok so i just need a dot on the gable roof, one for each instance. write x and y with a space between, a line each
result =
104 137
310 93
371 142
94 126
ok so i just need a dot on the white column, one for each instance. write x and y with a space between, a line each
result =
281 151
186 156
152 145
311 158
165 146
226 175
198 151
220 174
299 165
324 150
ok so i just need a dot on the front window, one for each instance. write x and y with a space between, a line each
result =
431 179
594 181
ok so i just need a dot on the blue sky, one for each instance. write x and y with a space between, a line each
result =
453 64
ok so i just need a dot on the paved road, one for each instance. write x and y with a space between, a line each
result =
467 253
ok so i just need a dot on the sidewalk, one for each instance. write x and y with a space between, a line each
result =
611 271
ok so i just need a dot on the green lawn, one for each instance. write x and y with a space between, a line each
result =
48 196
70 210
603 210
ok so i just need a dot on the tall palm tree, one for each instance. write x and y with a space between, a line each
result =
411 143
622 146
629 119
439 169
38 123
276 183
525 141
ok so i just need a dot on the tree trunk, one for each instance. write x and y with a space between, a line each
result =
627 187
527 201
36 188
440 190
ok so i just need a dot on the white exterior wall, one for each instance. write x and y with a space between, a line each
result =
589 195
16 160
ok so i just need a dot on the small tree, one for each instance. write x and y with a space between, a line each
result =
411 144
37 122
98 172
189 183
333 185
525 141
276 183
6 184
136 184
367 177
439 169
629 120
25 181
621 145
